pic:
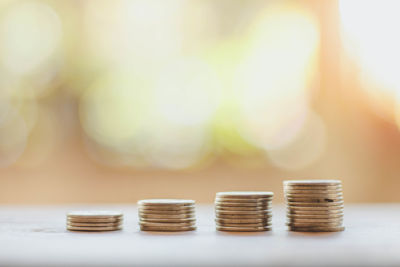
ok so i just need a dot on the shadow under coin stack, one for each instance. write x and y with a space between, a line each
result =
243 211
94 221
167 215
314 205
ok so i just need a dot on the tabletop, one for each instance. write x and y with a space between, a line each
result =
36 236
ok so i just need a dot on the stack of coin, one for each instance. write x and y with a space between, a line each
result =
314 205
94 221
243 211
172 215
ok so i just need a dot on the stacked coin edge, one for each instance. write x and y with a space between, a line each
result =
243 211
314 205
94 221
167 215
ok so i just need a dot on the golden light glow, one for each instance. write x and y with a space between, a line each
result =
273 80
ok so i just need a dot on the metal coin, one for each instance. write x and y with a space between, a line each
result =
94 224
245 194
94 214
315 208
243 229
243 200
93 229
308 220
314 195
241 216
178 202
314 200
167 220
311 191
163 216
315 204
236 204
167 228
314 224
314 216
240 212
221 207
244 225
240 221
94 220
312 182
314 212
316 229
167 212
155 224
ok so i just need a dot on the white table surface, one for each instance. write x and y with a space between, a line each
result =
37 236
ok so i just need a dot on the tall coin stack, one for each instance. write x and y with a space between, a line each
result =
94 221
314 205
243 211
170 215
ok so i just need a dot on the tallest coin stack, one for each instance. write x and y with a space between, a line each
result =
314 205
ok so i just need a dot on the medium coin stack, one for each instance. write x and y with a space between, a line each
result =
167 215
243 211
314 205
94 221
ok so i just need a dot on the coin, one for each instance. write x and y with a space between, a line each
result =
335 224
166 202
95 220
312 182
289 191
165 212
243 229
167 228
242 216
222 207
316 229
94 214
242 220
315 220
313 200
316 216
78 224
243 200
316 212
167 220
93 229
313 195
231 204
268 224
245 194
163 216
164 224
316 204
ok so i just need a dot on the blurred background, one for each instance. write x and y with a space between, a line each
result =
114 101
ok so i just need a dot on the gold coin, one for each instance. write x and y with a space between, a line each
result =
241 216
243 200
167 212
233 212
335 224
315 216
243 229
167 220
166 202
315 204
312 182
163 216
93 229
314 195
221 207
245 194
315 208
314 200
78 224
316 229
311 212
238 204
241 221
164 224
311 191
95 220
320 220
94 214
244 225
167 228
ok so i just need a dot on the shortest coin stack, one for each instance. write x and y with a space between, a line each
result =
243 211
94 221
314 205
167 215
